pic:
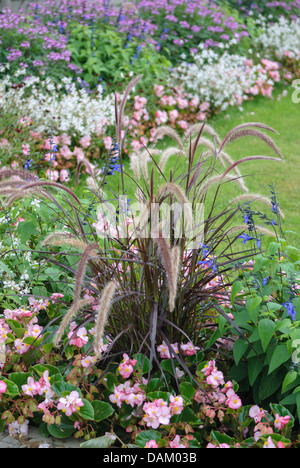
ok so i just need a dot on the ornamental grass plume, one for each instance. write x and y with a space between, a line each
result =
260 229
256 197
135 166
214 180
170 132
206 129
166 156
102 314
84 162
63 238
89 250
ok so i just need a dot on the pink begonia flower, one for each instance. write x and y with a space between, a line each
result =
173 114
135 399
269 443
189 349
201 116
70 404
55 296
215 379
127 360
64 175
227 386
239 99
280 445
158 90
80 337
165 415
45 382
249 63
176 404
88 360
161 117
182 103
108 142
125 370
219 397
234 402
15 164
34 330
135 145
281 421
256 413
176 443
209 367
3 386
194 102
21 348
151 444
267 91
50 142
32 388
16 428
49 157
52 175
167 100
65 139
288 76
26 149
117 397
270 65
164 351
204 106
183 124
275 75
79 153
137 116
221 446
85 141
66 152
179 373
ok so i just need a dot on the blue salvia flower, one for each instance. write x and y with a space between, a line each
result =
206 263
258 242
128 39
290 308
275 207
265 281
205 250
245 238
113 165
27 164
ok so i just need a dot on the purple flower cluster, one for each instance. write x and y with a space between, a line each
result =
14 55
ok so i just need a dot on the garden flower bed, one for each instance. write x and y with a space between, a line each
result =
116 327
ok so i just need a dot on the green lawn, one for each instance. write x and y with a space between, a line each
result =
284 116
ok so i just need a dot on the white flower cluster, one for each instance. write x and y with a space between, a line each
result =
281 39
222 81
71 111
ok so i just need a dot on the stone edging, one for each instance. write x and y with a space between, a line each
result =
34 439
